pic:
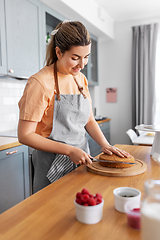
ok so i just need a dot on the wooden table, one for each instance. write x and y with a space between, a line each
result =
50 213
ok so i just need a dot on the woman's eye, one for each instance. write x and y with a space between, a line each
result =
75 59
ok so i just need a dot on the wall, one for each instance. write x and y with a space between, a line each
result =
115 71
10 92
88 12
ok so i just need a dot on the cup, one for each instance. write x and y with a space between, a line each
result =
132 210
89 214
123 195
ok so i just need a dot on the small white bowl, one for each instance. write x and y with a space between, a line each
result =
123 195
89 214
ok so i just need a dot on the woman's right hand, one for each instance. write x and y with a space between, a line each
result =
78 156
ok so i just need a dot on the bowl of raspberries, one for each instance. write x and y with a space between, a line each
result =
89 207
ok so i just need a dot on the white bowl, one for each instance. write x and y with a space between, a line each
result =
89 214
123 195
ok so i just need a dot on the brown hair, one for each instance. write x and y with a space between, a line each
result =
72 33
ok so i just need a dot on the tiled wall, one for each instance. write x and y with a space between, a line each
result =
11 91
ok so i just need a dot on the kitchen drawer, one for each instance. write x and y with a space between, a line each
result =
104 126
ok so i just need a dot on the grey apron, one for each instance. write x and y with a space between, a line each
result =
71 114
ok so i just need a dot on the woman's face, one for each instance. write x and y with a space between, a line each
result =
72 61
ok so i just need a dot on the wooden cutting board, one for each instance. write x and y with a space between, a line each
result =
135 169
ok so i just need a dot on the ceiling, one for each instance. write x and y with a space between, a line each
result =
124 10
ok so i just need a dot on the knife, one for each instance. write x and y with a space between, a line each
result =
100 160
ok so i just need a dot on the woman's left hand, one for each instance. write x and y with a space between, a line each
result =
111 149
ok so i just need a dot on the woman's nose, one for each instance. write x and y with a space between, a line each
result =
81 63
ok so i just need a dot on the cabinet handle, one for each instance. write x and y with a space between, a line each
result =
9 153
11 71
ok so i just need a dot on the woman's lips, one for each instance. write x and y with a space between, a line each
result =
76 69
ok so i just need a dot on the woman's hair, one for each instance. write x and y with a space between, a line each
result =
71 33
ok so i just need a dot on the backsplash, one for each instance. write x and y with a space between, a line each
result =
11 91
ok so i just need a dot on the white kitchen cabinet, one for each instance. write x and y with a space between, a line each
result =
23 36
14 176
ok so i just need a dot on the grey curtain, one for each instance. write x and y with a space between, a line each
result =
143 73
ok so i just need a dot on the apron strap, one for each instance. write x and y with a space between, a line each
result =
80 88
56 81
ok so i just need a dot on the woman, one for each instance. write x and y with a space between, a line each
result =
55 109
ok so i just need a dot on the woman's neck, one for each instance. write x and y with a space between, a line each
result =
60 68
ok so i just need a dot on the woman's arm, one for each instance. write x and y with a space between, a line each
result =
95 132
28 136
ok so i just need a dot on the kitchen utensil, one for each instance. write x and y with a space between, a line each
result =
135 169
100 160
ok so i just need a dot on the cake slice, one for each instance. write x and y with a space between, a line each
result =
115 157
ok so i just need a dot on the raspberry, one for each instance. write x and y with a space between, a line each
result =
98 195
91 195
85 191
85 204
91 201
78 195
136 210
84 198
79 201
99 200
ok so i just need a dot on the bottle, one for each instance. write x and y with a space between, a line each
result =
150 211
48 38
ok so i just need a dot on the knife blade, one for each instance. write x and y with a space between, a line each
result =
100 160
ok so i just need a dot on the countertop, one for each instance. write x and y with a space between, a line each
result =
13 133
50 213
8 142
9 139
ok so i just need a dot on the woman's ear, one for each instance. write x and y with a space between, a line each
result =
58 53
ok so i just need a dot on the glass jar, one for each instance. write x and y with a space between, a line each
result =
150 211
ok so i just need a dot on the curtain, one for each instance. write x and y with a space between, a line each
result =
143 73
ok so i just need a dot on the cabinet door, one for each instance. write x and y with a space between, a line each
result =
105 127
50 20
14 176
95 149
22 27
91 69
94 62
3 67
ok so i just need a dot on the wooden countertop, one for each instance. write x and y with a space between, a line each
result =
104 120
8 142
9 139
50 213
